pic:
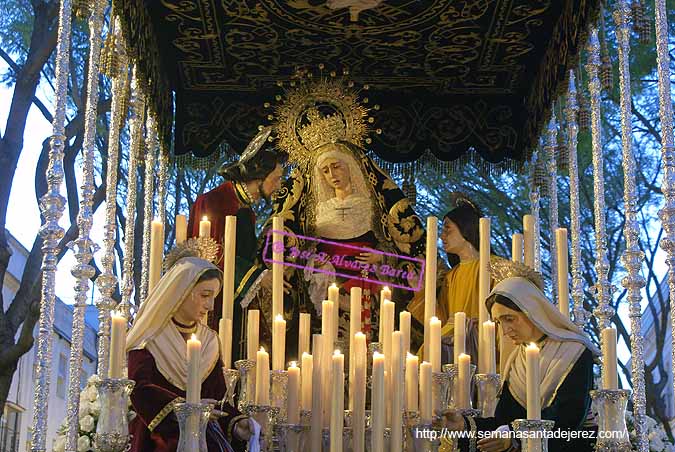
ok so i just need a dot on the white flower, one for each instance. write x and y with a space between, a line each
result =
656 444
93 379
95 408
87 424
91 393
83 444
59 444
84 408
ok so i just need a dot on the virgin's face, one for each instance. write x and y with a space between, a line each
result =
198 302
452 239
516 325
336 173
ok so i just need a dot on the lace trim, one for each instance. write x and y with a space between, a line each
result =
168 408
473 438
253 291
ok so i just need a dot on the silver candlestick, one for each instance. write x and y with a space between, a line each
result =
439 390
231 378
192 421
279 393
534 433
112 428
246 369
487 387
264 415
612 431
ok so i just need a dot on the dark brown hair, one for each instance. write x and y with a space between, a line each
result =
209 274
502 300
466 217
257 168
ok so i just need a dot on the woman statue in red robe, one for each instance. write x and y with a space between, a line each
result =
156 346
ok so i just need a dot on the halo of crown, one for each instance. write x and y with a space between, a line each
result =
504 268
317 111
202 247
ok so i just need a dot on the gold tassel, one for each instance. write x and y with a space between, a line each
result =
82 8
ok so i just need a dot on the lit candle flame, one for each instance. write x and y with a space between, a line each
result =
337 352
293 364
194 337
205 218
262 349
279 317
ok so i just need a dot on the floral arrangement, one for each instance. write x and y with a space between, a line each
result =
90 409
658 440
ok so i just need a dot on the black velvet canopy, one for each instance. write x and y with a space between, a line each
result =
451 76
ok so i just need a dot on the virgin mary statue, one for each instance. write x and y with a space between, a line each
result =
346 221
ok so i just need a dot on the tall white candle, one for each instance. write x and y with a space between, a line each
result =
118 334
316 422
610 377
483 285
517 248
404 320
327 344
533 381
397 356
262 378
359 391
528 240
334 296
307 368
229 252
194 382
225 336
156 253
205 227
181 229
459 337
426 404
354 327
279 343
563 281
388 316
252 333
490 351
430 279
385 294
303 336
338 402
277 267
292 401
377 402
411 382
435 344
464 378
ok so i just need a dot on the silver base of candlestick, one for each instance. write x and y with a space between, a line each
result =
112 428
246 368
305 417
192 421
292 437
372 348
425 438
231 378
453 372
612 431
369 439
278 394
439 390
487 388
264 415
532 430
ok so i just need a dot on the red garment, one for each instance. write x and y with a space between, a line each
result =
152 392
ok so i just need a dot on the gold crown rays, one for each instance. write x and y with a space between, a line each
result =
504 268
317 111
202 247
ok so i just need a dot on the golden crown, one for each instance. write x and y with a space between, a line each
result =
202 247
321 129
504 268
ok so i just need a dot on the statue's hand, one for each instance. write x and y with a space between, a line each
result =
369 258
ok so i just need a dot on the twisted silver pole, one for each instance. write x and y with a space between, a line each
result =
632 257
571 109
52 206
137 118
163 181
534 210
151 145
83 247
667 213
107 281
552 167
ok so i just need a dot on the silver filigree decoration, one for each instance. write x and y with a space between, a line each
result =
534 211
52 206
137 119
633 257
667 213
552 167
163 181
151 146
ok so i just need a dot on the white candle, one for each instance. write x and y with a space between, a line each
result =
464 377
118 335
354 327
459 336
205 227
397 391
334 293
610 377
528 240
338 402
194 381
292 405
388 316
430 279
517 248
277 267
252 333
262 378
435 344
385 294
229 252
307 370
279 343
490 351
359 391
483 285
156 253
377 402
181 229
425 393
303 336
316 422
563 282
411 382
404 320
225 336
327 344
533 381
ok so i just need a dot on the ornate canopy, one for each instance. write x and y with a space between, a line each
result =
451 76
